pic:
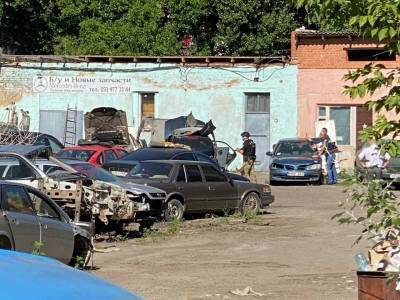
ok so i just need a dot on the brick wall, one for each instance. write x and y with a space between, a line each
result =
329 52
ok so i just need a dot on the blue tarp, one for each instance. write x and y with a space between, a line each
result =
27 276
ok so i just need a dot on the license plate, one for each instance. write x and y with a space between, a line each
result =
295 173
394 176
119 173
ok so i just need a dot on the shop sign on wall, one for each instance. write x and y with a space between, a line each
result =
81 84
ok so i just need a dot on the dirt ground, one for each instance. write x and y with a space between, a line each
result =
294 251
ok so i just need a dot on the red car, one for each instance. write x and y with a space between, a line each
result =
95 154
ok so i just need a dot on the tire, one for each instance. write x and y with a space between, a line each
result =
174 210
82 251
251 202
5 243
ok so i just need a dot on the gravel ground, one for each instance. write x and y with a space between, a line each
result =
292 251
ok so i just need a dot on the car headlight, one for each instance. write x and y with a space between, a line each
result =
314 167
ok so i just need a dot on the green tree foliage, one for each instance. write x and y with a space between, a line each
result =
27 26
377 20
146 27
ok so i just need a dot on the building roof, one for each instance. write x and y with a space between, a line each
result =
305 33
183 60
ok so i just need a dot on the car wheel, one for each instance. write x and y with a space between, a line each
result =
250 203
82 252
174 210
5 243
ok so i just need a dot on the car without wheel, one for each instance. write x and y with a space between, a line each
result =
294 160
29 216
198 187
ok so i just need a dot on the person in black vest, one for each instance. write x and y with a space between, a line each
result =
248 151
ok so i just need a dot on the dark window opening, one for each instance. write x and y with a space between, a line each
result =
370 55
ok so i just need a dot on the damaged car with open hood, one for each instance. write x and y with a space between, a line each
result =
82 198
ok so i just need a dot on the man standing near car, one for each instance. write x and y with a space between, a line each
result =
248 151
373 161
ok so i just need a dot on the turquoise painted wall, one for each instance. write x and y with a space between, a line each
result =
216 93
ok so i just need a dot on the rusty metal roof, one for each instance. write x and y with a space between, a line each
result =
182 60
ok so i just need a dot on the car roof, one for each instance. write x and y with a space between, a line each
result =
62 282
177 162
91 147
171 151
294 140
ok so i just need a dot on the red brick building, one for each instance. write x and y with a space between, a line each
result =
322 60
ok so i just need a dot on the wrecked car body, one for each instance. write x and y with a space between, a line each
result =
81 198
107 125
187 131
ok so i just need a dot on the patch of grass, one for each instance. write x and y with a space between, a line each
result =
37 247
171 229
122 237
79 263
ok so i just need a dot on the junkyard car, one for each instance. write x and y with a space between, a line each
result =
35 277
28 216
188 131
95 154
198 187
166 153
153 197
294 160
81 198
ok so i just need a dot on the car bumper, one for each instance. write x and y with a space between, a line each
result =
283 175
266 200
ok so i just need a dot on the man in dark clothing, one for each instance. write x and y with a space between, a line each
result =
248 151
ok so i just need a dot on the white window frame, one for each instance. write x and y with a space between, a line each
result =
353 116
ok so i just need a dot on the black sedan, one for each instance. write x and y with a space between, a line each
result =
295 160
154 153
194 186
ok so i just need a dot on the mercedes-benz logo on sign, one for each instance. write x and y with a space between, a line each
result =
39 84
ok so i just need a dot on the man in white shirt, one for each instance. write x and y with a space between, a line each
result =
372 159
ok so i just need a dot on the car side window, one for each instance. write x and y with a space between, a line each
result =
181 175
213 175
110 155
42 207
17 200
185 156
17 168
193 173
121 153
100 159
55 147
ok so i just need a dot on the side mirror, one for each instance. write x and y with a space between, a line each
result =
269 153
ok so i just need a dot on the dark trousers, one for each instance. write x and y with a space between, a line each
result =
374 173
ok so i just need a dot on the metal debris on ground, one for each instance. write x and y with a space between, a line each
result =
247 291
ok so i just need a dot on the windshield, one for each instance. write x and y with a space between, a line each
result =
151 170
75 154
198 144
95 173
294 148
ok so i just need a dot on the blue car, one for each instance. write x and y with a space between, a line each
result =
294 160
27 276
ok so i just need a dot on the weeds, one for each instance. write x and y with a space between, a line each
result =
169 230
122 237
37 247
79 262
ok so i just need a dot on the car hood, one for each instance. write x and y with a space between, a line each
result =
295 160
134 187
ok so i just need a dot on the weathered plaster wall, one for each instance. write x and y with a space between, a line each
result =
210 93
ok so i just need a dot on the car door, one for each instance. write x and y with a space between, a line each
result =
57 234
20 214
220 191
189 182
